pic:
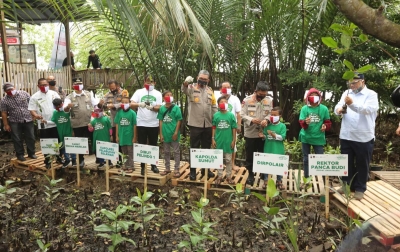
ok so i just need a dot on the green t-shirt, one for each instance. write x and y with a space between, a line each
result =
313 134
272 145
126 121
101 131
169 122
224 123
63 123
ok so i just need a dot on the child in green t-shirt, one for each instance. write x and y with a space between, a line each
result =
224 137
125 126
170 117
64 129
274 134
102 131
314 120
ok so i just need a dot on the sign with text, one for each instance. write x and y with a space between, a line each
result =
107 150
146 153
76 145
207 158
328 164
48 146
270 163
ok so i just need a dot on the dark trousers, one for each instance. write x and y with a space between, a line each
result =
359 157
252 145
199 137
83 132
48 133
20 131
147 135
306 149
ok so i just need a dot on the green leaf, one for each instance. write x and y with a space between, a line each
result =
186 228
337 27
116 239
348 75
104 235
273 210
239 187
363 37
147 196
40 243
330 42
197 216
196 239
104 228
184 244
121 209
206 230
348 64
278 219
137 225
345 40
272 192
353 26
339 50
110 215
364 68
259 196
148 217
9 182
125 224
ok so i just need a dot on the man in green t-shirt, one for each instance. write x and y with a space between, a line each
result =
64 129
126 135
224 136
170 117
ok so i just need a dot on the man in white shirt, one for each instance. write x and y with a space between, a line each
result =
234 106
358 106
147 101
41 108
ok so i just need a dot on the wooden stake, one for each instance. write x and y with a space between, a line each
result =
266 187
145 177
78 173
327 197
53 176
107 177
205 182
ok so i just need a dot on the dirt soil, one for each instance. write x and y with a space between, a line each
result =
67 222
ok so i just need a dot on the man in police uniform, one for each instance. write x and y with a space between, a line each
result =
80 104
52 86
202 107
255 112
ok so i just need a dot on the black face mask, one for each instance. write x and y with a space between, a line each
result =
114 92
260 97
201 82
52 83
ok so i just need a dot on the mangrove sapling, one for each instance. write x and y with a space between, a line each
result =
42 247
237 197
4 191
52 192
114 228
199 231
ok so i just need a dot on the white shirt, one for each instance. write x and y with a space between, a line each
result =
359 122
146 117
235 105
93 100
42 103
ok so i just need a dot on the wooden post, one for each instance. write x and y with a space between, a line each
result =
266 188
78 173
205 182
4 41
107 176
145 177
327 197
53 176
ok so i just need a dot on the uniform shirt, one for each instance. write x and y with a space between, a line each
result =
42 103
17 107
251 109
359 122
224 123
275 145
169 122
202 105
313 134
93 100
126 121
110 98
146 117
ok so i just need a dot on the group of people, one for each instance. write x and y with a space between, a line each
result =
213 123
93 59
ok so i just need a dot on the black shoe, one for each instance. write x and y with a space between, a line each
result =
154 169
65 164
59 161
82 164
73 164
32 156
101 165
250 181
21 158
142 171
118 165
210 174
110 165
192 178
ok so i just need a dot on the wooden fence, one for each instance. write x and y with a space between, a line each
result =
96 78
26 78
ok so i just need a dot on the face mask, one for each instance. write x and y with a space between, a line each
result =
149 87
313 99
260 97
52 83
12 92
168 99
44 89
226 91
114 92
78 87
61 108
98 115
202 83
274 119
125 106
223 106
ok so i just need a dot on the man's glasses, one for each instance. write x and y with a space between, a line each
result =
352 83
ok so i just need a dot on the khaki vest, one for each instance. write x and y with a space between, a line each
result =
82 109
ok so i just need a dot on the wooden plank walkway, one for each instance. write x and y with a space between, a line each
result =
391 177
380 207
34 165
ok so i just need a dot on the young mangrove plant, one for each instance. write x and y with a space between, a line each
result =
237 197
4 191
52 192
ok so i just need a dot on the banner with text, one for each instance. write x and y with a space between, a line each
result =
48 146
107 150
76 145
328 164
206 158
270 163
146 153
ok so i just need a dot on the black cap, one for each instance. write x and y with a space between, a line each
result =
77 80
358 76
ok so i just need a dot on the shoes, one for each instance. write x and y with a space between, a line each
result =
118 165
192 178
74 164
82 164
209 174
154 169
250 181
358 195
32 156
48 166
21 158
101 165
142 170
65 164
59 161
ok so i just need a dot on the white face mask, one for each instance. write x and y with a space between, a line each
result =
125 106
44 89
274 119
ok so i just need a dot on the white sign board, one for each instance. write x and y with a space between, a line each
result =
48 145
328 164
207 158
107 150
147 154
270 163
76 145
